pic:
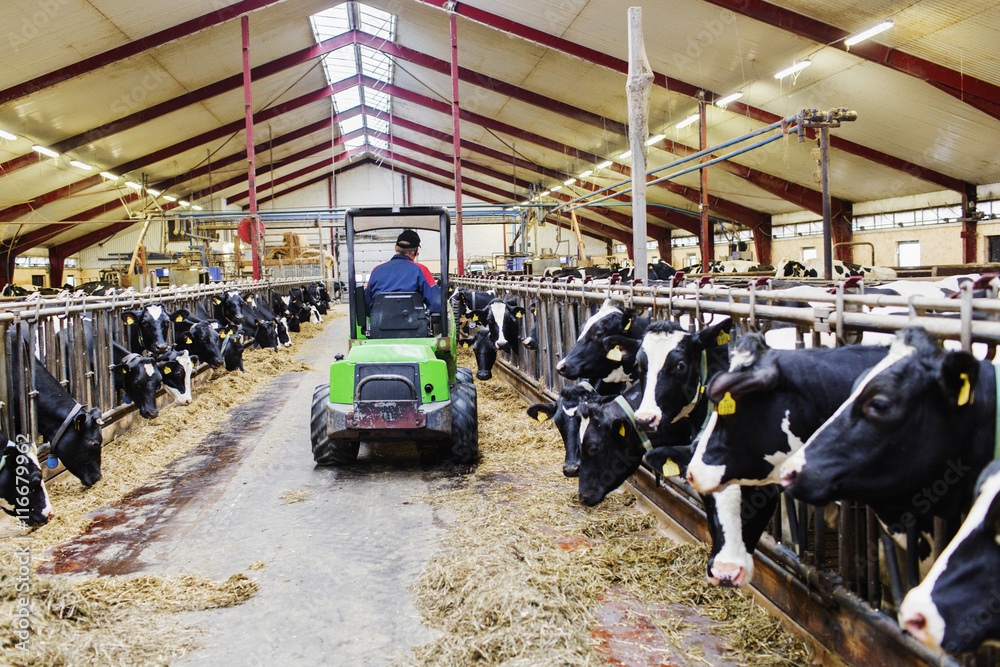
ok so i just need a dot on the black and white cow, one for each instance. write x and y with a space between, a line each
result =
73 432
463 302
307 312
737 266
287 308
531 340
503 320
228 307
232 348
767 404
22 489
957 605
261 330
564 413
922 419
589 357
177 368
814 268
263 311
139 377
200 338
148 327
485 351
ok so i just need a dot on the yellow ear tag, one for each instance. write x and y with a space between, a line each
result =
615 353
179 318
723 338
671 469
223 334
465 346
628 323
216 302
124 371
965 393
166 370
621 430
542 416
519 314
475 318
130 321
727 405
188 340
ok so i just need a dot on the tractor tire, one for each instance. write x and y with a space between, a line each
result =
326 450
464 374
463 447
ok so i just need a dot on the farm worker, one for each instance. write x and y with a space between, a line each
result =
403 274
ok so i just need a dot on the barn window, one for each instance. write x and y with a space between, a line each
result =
993 249
808 253
691 260
908 253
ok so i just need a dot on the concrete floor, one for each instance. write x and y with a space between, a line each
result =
337 565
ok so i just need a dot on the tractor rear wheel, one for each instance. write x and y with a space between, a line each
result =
327 450
464 374
464 444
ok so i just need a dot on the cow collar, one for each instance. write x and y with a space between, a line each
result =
698 391
53 459
627 409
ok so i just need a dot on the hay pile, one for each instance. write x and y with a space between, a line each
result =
524 565
110 621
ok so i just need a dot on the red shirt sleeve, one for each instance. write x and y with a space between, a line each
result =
427 273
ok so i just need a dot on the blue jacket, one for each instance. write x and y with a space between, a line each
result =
402 274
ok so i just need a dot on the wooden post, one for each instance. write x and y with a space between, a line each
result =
138 244
581 250
640 81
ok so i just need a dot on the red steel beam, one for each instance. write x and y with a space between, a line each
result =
213 18
975 92
684 88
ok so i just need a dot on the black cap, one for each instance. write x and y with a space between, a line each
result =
408 239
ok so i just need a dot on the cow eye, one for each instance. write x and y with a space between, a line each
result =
877 406
680 368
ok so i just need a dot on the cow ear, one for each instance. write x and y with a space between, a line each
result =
628 319
959 373
619 428
478 316
518 312
763 377
618 347
188 340
217 301
179 314
194 359
715 335
465 343
129 317
542 411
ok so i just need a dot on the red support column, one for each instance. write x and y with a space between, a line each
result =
455 112
663 245
7 258
843 232
707 233
762 241
56 264
251 164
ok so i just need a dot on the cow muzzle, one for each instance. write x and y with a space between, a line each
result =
729 575
571 469
648 420
484 375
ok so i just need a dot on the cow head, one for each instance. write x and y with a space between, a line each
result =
885 440
789 268
281 330
22 489
232 348
177 369
610 449
139 377
485 350
203 340
151 325
264 334
231 306
564 413
670 366
954 607
503 319
79 448
588 358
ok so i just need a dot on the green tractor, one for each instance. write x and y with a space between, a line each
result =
400 379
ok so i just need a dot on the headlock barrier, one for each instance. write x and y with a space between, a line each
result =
52 331
834 582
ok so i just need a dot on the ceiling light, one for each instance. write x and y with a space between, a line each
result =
797 67
184 203
108 175
134 186
871 32
604 165
169 198
587 173
198 208
557 188
693 118
569 181
729 98
45 151
80 165
652 140
525 203
626 155
7 135
155 193
545 194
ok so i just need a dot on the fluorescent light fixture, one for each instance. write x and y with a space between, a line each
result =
169 198
569 181
80 165
525 202
155 193
184 203
693 118
653 139
797 67
44 151
626 155
603 165
871 32
557 188
108 175
134 186
546 193
729 98
587 173
198 208
7 135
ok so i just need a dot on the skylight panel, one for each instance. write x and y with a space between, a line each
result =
347 99
357 142
340 64
377 124
379 144
350 124
376 99
376 64
377 22
331 22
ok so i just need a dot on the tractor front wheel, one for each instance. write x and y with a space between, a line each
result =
327 450
464 444
464 374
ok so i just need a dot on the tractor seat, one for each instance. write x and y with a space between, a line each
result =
398 315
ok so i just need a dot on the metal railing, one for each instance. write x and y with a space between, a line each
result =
829 562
